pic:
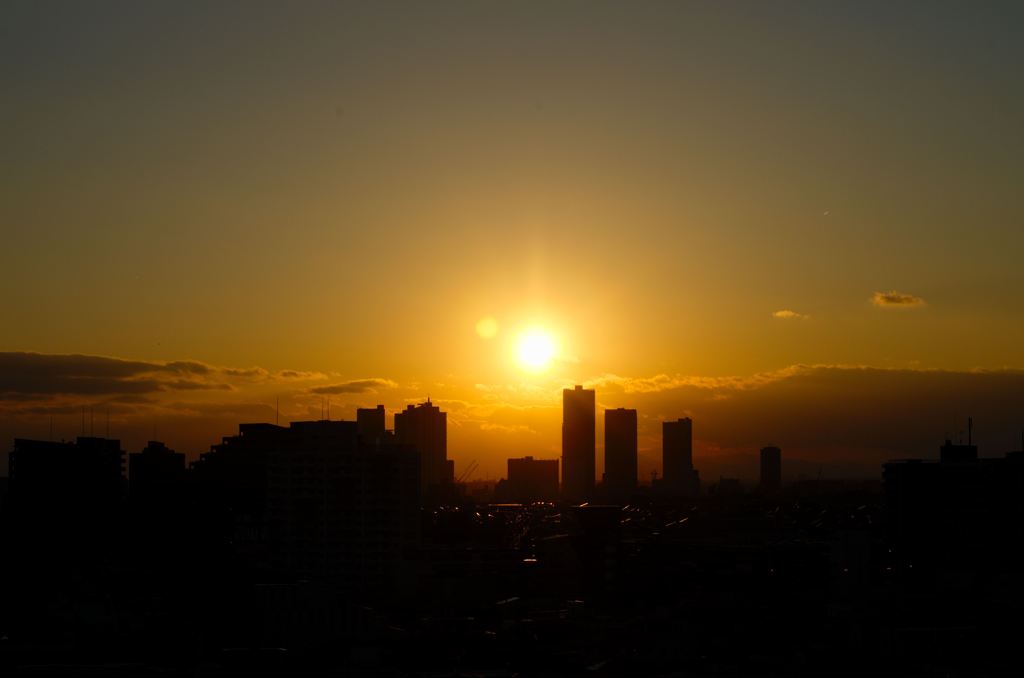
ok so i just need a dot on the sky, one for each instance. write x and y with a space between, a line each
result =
772 217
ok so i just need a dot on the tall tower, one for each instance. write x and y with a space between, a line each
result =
619 451
771 469
578 418
426 427
677 457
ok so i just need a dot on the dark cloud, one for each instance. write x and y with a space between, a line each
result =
894 299
300 375
39 374
250 373
186 385
355 386
188 367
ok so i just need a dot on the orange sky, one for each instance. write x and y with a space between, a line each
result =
688 196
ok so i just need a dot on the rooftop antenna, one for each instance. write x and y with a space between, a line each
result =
92 421
83 420
970 428
328 409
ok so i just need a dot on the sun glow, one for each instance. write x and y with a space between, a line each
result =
536 349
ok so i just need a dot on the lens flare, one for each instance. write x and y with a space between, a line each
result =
487 328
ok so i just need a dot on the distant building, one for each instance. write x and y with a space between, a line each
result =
578 444
371 424
531 479
678 475
425 427
771 469
619 452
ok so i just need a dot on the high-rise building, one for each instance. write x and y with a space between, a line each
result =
619 451
425 426
578 420
771 469
679 476
370 422
532 479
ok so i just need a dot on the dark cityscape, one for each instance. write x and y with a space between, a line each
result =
346 548
511 339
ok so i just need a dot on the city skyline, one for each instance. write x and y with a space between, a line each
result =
519 339
699 205
818 413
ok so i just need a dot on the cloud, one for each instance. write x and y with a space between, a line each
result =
354 386
247 373
26 375
664 382
894 299
299 375
787 314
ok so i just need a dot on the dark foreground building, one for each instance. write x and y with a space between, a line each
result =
958 511
313 502
67 490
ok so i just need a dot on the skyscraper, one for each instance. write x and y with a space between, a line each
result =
771 468
677 458
619 451
578 418
425 426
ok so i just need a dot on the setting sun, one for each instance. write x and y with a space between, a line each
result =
536 349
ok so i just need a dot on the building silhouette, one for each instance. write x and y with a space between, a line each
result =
531 479
957 511
679 476
371 424
771 469
425 427
63 492
312 502
619 452
578 444
156 475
